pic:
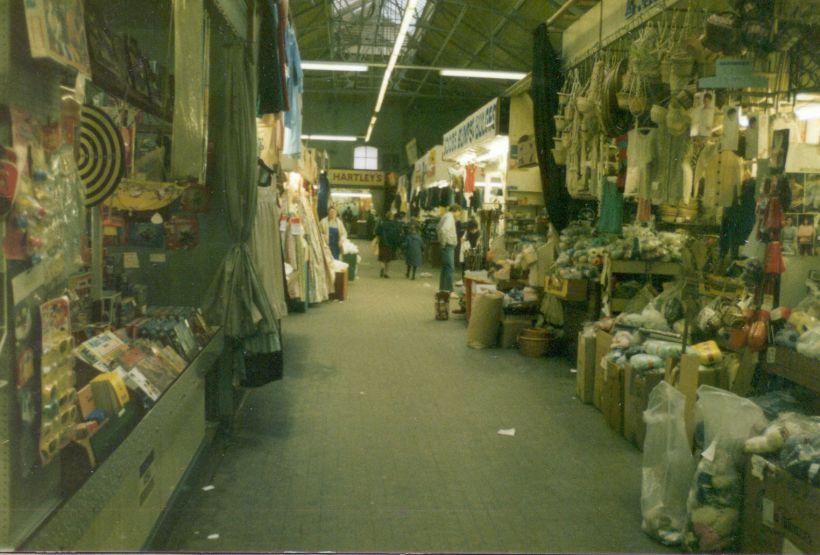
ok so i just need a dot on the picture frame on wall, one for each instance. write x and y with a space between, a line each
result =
107 55
56 31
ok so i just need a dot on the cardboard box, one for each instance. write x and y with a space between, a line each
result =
603 341
585 364
637 387
612 400
567 289
340 286
780 512
687 377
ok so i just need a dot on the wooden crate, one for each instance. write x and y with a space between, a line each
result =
567 289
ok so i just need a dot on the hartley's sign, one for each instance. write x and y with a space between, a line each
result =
481 125
355 178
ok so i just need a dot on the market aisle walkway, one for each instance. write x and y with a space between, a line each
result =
383 437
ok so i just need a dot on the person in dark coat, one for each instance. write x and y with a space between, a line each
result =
413 250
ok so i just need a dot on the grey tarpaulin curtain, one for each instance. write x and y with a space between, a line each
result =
236 299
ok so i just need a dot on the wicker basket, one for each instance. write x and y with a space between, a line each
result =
533 342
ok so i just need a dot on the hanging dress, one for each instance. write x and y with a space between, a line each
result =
266 250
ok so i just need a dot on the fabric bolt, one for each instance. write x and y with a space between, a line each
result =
612 208
718 176
272 96
641 152
266 250
469 178
323 197
445 282
295 76
446 230
413 248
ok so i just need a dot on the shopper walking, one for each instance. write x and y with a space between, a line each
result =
448 240
389 234
334 232
413 250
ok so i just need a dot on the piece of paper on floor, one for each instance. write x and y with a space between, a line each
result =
425 274
426 285
573 370
506 432
208 488
213 536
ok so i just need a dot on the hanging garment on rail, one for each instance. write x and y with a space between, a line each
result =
612 208
323 197
739 219
293 117
266 250
640 153
271 86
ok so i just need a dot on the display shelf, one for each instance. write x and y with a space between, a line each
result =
116 88
119 505
797 368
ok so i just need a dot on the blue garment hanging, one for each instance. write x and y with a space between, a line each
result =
293 117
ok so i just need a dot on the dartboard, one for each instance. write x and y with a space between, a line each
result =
102 155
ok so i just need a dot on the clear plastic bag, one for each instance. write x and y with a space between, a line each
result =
667 466
728 417
715 498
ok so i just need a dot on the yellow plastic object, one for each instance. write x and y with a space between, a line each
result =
708 352
802 321
117 386
138 195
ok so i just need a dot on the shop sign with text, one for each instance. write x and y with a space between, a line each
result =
355 178
482 124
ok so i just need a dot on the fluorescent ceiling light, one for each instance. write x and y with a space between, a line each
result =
483 74
345 138
409 12
333 66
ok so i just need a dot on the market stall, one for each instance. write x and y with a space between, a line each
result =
123 245
690 136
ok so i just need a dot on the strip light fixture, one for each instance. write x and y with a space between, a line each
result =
344 138
409 11
333 66
483 74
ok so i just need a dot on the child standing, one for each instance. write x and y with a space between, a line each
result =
412 249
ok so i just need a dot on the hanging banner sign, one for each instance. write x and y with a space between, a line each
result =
482 124
355 178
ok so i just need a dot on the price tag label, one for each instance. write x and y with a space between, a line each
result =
130 260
